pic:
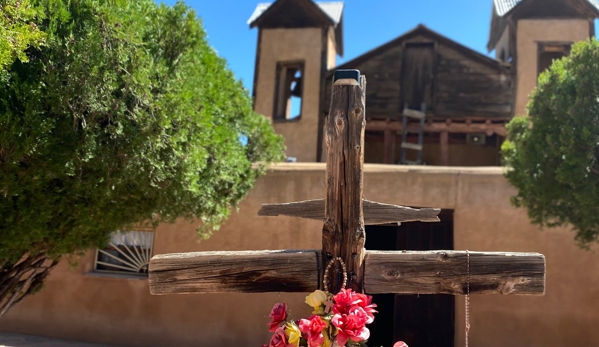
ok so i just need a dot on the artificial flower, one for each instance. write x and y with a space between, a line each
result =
351 325
293 334
278 314
400 344
316 299
279 339
365 301
312 330
344 300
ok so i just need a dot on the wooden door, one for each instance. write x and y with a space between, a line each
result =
417 70
419 320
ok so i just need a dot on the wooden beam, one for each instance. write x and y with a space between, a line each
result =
438 127
407 272
343 232
446 272
374 212
389 147
444 146
234 272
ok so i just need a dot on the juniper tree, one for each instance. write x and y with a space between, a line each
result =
554 152
124 115
18 31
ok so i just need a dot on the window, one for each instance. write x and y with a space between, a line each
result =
548 52
289 90
127 252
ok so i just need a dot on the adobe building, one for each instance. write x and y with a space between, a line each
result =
436 113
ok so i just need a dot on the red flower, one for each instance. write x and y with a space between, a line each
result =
365 302
400 344
344 300
278 314
312 330
351 325
279 339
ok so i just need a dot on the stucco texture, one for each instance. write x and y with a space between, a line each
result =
285 45
78 304
530 32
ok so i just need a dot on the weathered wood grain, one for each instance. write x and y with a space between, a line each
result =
438 127
463 83
408 272
343 233
446 272
234 272
374 212
444 147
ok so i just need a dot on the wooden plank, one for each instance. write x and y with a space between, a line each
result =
445 272
234 272
374 212
440 127
429 272
413 113
413 146
389 152
343 233
444 146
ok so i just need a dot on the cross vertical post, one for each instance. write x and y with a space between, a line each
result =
343 233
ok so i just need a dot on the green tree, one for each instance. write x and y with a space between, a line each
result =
124 115
18 31
554 153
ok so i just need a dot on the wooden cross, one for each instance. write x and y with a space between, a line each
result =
343 235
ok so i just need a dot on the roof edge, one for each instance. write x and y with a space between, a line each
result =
274 5
420 28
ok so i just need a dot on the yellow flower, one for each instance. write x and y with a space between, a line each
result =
316 299
293 334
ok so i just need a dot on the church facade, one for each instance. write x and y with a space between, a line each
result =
467 97
436 113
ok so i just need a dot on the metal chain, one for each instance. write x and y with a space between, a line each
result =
467 301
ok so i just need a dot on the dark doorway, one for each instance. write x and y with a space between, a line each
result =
417 75
419 320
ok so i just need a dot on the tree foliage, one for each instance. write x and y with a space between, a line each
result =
554 153
17 30
125 115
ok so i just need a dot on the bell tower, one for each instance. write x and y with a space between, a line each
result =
298 41
530 34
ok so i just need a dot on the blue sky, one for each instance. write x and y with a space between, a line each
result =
367 24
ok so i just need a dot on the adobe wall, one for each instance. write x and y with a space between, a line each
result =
529 33
281 45
77 304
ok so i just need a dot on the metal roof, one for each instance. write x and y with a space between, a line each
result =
504 6
332 9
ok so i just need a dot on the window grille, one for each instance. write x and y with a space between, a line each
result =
127 252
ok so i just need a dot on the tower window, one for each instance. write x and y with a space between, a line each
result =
289 90
548 52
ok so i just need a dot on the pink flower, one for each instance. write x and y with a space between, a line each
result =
351 325
365 302
312 330
400 344
278 314
344 300
279 339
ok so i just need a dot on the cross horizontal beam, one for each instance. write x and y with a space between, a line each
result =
407 272
374 212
